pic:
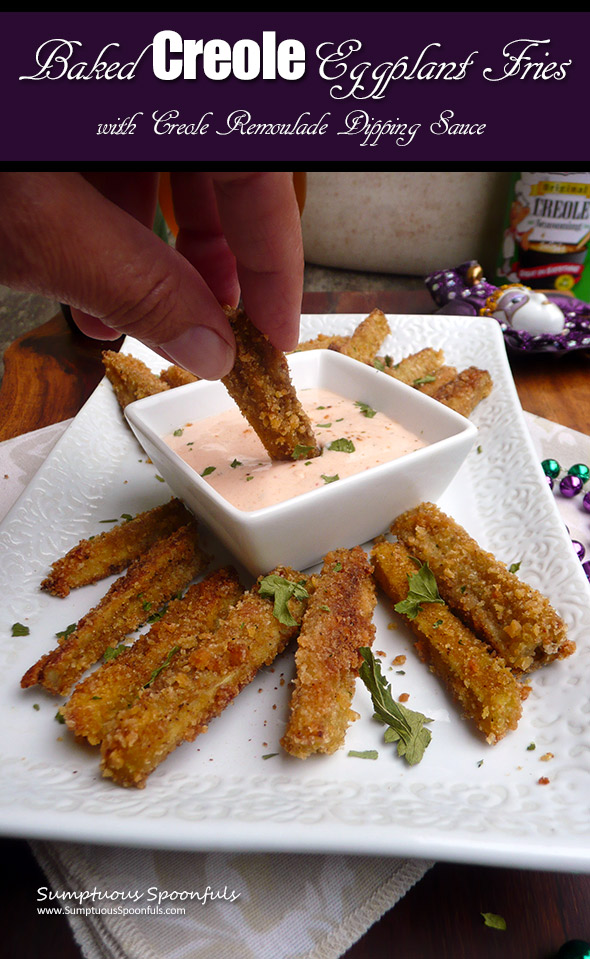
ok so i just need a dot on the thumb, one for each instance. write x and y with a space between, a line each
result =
60 237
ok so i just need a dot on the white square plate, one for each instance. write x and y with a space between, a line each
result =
465 801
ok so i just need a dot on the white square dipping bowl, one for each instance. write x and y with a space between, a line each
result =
300 531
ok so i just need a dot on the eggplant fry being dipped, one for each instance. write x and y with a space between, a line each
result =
260 384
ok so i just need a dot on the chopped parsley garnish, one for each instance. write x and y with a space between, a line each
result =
530 747
235 463
281 590
60 718
126 516
160 479
363 754
365 409
514 568
108 521
146 605
36 706
301 451
479 449
404 726
430 378
423 589
269 755
337 567
378 365
437 624
208 470
330 479
494 921
324 426
178 432
342 445
19 630
111 652
67 631
158 614
162 666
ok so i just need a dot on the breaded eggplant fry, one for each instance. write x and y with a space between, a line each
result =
261 386
482 684
364 343
152 580
337 623
417 365
130 378
175 376
96 701
197 685
322 341
515 619
432 382
469 388
112 551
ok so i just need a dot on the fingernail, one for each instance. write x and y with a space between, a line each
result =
202 351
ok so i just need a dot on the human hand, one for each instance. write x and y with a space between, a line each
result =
86 240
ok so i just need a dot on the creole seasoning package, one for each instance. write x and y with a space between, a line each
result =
547 232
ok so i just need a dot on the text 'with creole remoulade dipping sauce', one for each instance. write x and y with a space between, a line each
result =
226 452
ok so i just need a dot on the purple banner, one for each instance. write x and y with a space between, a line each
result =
294 87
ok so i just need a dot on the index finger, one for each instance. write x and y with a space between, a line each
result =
260 219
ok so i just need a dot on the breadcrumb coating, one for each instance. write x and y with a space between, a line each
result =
130 378
417 365
175 376
261 386
363 344
112 551
152 580
337 623
513 617
116 684
197 685
482 684
465 391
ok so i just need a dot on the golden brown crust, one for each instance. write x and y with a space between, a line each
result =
515 619
175 376
434 381
337 623
130 378
465 391
364 343
197 686
322 341
152 580
481 683
417 365
112 551
261 386
96 701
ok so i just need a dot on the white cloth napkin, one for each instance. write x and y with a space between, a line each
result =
251 906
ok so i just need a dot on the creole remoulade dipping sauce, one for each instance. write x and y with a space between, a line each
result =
227 453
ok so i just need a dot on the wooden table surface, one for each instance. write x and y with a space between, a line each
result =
49 374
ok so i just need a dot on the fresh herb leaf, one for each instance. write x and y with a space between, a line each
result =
60 718
281 590
19 630
234 464
108 521
301 451
160 479
330 479
36 706
404 726
494 921
67 631
363 754
342 445
178 432
423 589
438 623
146 606
162 666
158 614
269 755
479 449
111 652
379 365
424 379
324 425
126 516
531 747
208 470
337 566
365 409
514 568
